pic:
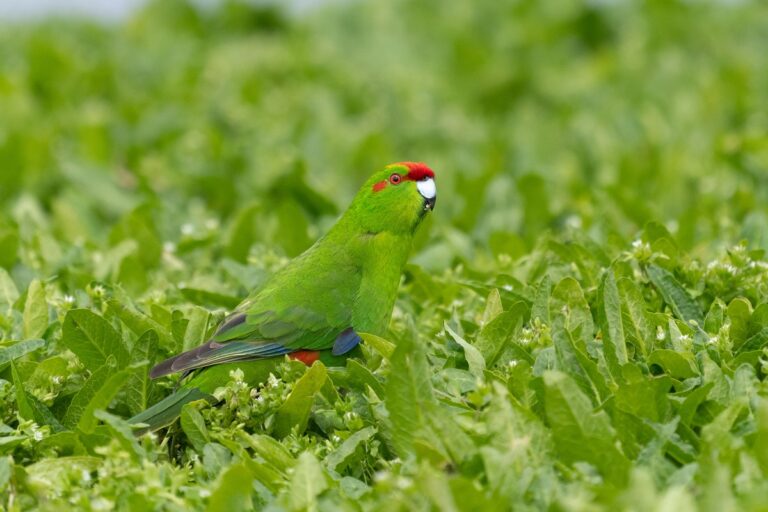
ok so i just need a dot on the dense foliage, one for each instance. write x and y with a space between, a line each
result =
584 322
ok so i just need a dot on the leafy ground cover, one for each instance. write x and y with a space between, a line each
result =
584 322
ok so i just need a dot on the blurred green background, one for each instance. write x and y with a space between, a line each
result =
598 165
235 125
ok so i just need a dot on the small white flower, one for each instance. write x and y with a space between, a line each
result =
187 229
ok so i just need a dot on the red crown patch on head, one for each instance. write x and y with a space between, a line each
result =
417 171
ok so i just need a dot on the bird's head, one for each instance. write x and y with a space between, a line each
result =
396 198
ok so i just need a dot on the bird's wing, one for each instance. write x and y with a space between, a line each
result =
249 335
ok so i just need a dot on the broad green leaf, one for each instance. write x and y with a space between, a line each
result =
497 335
93 339
363 376
611 325
471 353
269 450
678 365
233 490
382 346
193 425
35 311
493 307
8 291
140 323
19 349
31 408
540 308
761 439
122 431
674 294
739 311
416 423
6 471
307 483
579 433
634 316
568 302
52 473
139 385
101 400
197 328
339 456
571 360
294 413
83 397
22 401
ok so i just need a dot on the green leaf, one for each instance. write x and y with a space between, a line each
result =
579 433
416 424
53 473
8 291
93 339
496 336
140 323
493 307
678 365
294 412
540 308
382 346
197 328
25 409
101 400
31 408
568 303
611 325
307 483
574 362
35 311
634 315
674 294
193 425
233 490
6 472
139 385
19 349
473 356
122 431
739 311
83 397
339 456
269 450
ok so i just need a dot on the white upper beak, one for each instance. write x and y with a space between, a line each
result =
427 188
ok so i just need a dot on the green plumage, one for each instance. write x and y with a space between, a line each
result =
346 283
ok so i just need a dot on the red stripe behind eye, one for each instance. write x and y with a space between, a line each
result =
417 171
380 185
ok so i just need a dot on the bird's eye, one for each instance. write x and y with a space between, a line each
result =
395 179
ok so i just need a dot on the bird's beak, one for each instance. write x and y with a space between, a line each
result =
428 191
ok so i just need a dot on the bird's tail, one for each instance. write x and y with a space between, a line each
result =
167 410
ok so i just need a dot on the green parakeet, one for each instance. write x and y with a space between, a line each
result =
314 308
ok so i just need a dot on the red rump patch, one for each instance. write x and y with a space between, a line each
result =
305 356
417 171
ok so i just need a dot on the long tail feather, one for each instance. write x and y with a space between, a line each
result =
165 412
